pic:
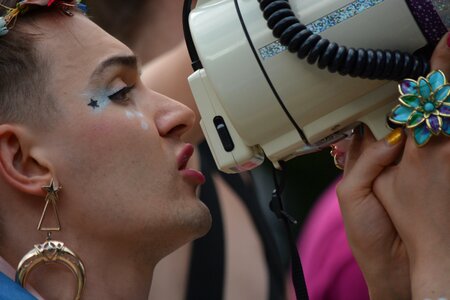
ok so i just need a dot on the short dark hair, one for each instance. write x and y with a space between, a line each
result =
24 97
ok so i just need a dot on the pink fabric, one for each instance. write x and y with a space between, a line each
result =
330 270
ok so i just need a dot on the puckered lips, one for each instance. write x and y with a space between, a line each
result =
193 176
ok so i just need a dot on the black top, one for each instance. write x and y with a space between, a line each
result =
207 266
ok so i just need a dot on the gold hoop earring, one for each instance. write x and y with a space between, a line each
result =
51 251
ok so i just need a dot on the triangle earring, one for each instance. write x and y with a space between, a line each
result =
51 251
51 198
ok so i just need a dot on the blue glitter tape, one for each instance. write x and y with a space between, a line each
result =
320 25
341 15
271 50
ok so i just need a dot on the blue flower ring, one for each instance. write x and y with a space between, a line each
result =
424 106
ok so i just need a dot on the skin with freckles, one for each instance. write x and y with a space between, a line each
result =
115 146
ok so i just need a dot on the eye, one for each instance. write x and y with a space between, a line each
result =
122 95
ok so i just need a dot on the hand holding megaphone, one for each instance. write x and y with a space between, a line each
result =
394 199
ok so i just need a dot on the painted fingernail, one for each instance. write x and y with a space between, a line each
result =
394 137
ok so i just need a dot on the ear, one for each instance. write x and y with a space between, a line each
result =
20 167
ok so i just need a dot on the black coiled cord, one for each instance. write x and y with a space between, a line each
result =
363 63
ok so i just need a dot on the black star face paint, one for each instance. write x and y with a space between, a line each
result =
94 104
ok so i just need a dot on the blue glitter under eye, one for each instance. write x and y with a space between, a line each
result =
102 98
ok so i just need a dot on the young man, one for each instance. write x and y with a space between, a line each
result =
74 113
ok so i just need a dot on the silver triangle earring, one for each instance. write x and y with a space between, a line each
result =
51 251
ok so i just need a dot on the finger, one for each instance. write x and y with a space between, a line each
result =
440 60
424 158
362 139
371 162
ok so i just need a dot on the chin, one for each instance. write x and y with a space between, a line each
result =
205 225
201 224
191 225
194 220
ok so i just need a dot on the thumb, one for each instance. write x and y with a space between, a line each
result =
440 60
372 161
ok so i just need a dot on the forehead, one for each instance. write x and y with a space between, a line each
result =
74 46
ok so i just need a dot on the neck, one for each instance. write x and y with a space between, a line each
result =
112 272
117 266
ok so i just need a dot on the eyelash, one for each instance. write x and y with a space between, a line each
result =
121 96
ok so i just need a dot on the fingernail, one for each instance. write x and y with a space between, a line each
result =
394 137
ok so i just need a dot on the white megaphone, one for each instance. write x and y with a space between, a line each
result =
267 83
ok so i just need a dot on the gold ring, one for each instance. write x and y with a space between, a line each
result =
338 157
52 252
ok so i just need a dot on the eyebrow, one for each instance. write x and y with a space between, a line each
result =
129 61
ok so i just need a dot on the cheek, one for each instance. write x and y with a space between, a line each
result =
137 117
109 131
102 144
114 166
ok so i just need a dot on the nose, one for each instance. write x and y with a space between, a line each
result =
173 118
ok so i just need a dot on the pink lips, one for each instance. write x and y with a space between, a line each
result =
193 176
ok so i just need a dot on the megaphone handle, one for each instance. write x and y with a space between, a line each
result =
377 121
